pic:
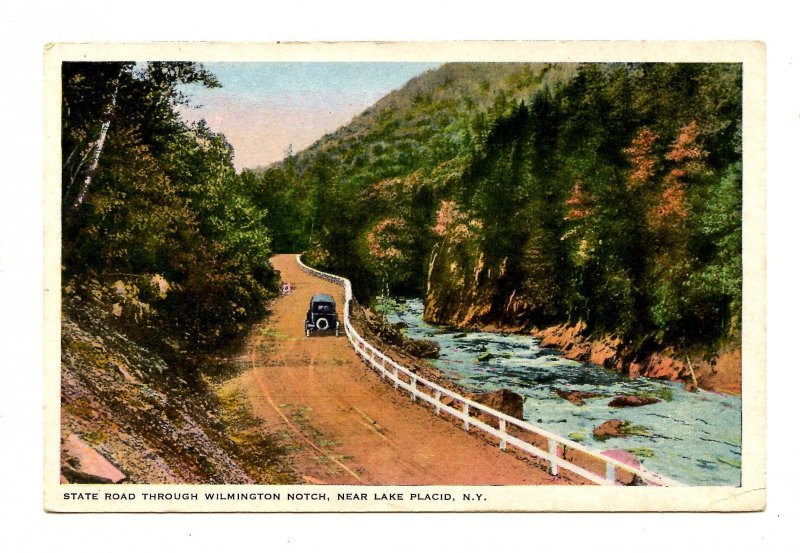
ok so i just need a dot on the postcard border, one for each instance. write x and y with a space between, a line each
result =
752 493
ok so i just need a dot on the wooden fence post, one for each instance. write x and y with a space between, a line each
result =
611 472
552 447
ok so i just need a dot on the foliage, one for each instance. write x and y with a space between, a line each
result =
608 193
164 200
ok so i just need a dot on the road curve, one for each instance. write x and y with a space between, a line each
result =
342 423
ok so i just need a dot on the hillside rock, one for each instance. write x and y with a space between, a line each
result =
128 415
83 465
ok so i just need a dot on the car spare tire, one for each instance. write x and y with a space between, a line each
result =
322 323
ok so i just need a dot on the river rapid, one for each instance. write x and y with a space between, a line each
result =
694 438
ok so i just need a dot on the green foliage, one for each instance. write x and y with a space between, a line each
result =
609 193
164 200
616 199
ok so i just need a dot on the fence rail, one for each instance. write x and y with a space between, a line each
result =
422 389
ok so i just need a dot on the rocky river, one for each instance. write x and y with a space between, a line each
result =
694 438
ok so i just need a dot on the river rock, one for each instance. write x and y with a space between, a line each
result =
425 349
575 397
632 401
503 400
610 429
485 356
623 456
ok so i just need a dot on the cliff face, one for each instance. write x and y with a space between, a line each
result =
457 293
126 414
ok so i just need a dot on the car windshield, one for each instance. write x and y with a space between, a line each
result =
323 307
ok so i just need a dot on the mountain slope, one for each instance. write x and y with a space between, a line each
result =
606 196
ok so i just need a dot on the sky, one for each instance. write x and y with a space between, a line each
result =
263 108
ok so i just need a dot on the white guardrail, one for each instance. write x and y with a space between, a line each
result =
404 378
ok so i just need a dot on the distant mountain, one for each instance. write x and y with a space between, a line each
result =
436 116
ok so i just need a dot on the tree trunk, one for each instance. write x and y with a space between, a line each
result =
98 149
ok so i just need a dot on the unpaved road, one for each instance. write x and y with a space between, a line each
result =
343 424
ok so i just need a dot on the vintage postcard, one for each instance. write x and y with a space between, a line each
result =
511 276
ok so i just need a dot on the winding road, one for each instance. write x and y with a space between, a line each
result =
342 424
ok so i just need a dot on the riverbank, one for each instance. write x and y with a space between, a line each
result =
378 331
721 373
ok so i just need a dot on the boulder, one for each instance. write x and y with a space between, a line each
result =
503 400
632 401
574 396
610 429
424 349
81 464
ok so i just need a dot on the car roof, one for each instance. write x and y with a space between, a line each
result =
316 298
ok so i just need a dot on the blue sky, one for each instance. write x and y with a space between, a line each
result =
263 107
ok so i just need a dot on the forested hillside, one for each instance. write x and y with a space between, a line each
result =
164 260
528 195
152 207
395 158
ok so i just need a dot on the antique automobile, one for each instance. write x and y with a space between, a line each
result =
321 316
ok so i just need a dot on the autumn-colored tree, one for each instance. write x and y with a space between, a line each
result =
643 159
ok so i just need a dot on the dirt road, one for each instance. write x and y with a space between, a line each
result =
346 426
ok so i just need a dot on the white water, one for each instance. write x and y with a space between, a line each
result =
694 438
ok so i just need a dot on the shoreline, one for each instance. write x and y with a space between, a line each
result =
721 374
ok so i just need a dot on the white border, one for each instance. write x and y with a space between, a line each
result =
20 253
750 496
